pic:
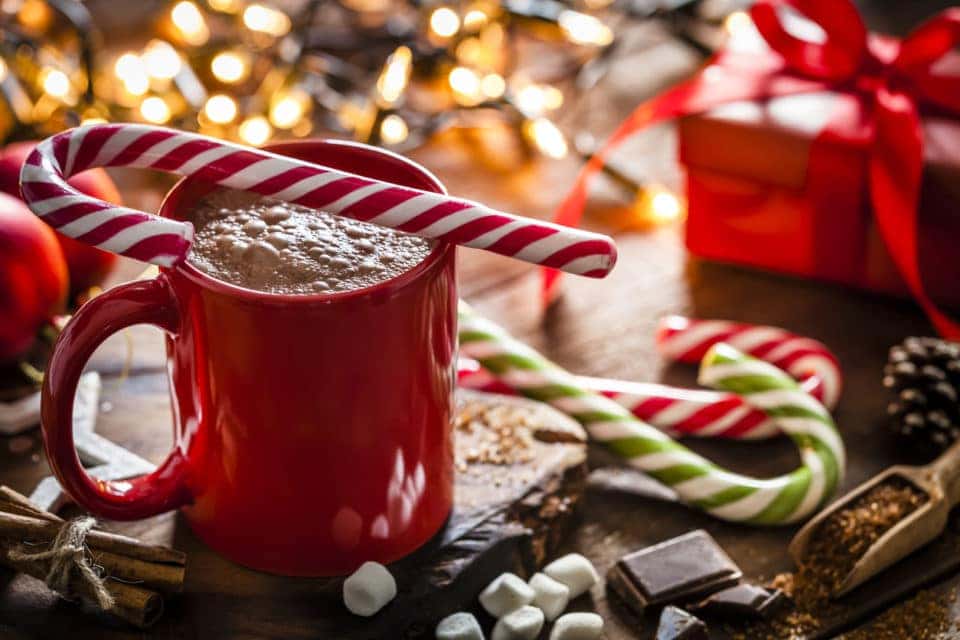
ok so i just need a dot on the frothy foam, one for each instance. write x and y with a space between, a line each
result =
263 244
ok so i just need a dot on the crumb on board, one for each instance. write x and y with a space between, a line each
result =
502 434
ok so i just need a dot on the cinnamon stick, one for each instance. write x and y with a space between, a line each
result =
138 606
134 571
13 502
122 558
24 527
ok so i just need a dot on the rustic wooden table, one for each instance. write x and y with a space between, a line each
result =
597 328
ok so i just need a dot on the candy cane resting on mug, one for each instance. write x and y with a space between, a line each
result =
165 242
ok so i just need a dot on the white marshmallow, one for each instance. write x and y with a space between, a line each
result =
369 589
523 624
506 593
550 596
575 571
577 626
459 626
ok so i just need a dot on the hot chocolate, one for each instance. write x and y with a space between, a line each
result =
272 246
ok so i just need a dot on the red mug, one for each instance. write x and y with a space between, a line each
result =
311 432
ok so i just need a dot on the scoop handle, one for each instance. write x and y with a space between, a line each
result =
945 470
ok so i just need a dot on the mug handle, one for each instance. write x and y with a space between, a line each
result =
141 302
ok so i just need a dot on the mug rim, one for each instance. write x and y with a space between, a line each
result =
439 252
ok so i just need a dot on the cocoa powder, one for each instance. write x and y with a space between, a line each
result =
834 548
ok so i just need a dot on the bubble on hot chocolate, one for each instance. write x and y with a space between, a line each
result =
263 244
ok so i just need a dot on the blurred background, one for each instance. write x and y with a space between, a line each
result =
386 72
512 76
378 71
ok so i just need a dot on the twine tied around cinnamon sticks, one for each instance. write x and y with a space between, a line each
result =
68 553
133 574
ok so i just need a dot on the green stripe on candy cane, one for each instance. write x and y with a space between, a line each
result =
696 480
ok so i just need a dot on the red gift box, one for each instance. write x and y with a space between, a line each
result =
833 156
766 188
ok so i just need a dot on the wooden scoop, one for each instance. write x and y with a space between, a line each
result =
940 480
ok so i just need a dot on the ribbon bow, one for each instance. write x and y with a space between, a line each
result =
893 78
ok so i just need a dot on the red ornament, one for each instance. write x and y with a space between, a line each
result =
33 277
87 265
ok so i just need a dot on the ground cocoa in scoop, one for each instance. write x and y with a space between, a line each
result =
832 552
844 537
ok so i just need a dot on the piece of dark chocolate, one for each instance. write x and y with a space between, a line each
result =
677 624
741 602
680 570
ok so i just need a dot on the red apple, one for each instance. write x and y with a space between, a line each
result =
33 276
88 266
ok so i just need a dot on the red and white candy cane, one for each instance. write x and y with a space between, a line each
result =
703 413
807 360
678 412
165 242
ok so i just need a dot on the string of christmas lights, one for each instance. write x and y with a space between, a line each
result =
385 72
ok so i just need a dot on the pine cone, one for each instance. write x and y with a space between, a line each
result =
925 374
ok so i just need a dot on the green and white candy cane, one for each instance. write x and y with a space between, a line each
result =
697 481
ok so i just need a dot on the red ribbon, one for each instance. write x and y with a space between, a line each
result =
893 77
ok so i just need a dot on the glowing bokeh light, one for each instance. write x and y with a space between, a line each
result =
444 22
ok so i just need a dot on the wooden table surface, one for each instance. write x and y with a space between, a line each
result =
598 328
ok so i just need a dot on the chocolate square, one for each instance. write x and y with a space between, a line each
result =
677 624
741 602
679 570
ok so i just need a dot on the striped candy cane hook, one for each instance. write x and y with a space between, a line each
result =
811 362
164 242
697 481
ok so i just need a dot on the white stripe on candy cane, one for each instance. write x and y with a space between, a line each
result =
451 222
748 506
751 338
666 459
402 213
126 238
781 397
357 196
157 151
676 412
201 160
584 404
72 148
43 207
302 187
678 344
705 486
816 428
116 143
709 377
726 421
817 486
577 265
495 234
541 248
91 221
628 427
